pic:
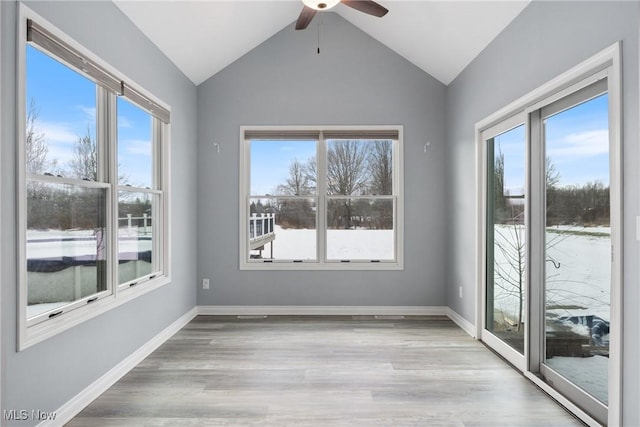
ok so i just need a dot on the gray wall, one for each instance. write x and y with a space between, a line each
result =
546 39
354 81
48 374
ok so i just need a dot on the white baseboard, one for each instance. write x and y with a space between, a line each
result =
73 407
463 323
309 310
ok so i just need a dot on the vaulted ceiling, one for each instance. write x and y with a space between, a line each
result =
203 37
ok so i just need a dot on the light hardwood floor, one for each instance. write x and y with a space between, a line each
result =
323 371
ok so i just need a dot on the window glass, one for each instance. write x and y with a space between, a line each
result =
360 227
135 235
282 228
359 167
285 168
578 245
506 237
135 149
60 134
66 245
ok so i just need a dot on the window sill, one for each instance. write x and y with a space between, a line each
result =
326 266
35 334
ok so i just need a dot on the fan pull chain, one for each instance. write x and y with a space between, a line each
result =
319 25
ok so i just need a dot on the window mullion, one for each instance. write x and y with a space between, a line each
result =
398 198
158 223
102 134
321 188
157 219
107 131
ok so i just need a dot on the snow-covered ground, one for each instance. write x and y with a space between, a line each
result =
578 270
43 244
583 276
341 244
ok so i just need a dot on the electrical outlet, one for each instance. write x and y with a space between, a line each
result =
460 291
205 283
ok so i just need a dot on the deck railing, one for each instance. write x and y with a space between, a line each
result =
143 223
261 225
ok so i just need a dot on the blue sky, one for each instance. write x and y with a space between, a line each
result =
270 162
66 103
577 143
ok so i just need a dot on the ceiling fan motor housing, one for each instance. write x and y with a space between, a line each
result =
311 7
320 5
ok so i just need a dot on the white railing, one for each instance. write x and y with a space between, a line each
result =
146 223
261 225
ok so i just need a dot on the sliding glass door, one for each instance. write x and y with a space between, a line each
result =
506 271
550 193
577 245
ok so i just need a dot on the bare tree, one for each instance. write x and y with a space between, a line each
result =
552 176
381 167
347 175
509 272
84 163
347 168
555 202
36 149
298 183
296 213
312 173
499 199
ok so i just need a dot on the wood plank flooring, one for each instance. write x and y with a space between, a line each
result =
323 371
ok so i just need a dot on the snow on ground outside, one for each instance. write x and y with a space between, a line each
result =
341 244
42 244
582 279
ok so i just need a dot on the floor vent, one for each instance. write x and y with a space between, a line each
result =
248 317
389 317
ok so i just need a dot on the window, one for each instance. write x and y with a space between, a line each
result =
321 198
92 192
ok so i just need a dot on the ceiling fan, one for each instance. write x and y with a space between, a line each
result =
311 7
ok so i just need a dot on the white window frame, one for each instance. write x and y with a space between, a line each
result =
32 331
321 262
1 222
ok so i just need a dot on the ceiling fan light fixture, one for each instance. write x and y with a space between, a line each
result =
320 4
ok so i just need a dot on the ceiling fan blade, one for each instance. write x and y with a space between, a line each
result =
305 18
367 6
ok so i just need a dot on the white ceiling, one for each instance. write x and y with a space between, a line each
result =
440 37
